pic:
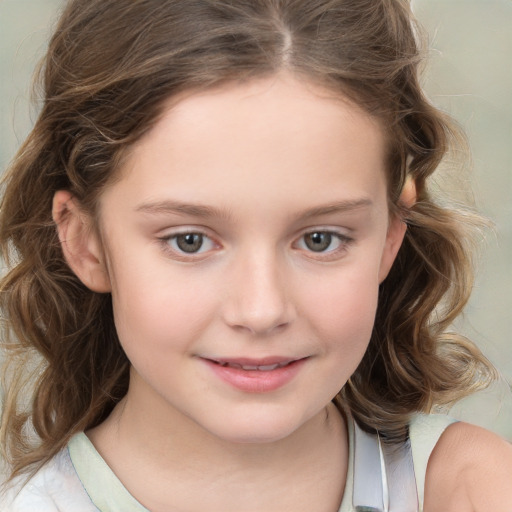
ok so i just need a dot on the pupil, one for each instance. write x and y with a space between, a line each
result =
190 242
318 241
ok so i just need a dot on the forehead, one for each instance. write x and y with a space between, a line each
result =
263 136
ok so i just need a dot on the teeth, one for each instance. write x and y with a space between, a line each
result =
268 367
262 368
252 368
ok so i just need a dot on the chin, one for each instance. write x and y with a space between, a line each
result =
257 430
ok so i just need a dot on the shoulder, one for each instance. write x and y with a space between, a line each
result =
53 488
469 469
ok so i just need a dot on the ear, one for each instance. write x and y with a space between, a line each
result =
394 238
80 243
408 196
397 228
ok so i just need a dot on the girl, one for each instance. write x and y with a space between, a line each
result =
229 284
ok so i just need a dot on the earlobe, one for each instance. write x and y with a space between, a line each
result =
394 238
80 244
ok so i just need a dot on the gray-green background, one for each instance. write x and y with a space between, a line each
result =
470 75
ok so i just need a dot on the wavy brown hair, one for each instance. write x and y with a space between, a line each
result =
110 67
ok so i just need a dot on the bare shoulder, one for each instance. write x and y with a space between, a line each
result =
470 469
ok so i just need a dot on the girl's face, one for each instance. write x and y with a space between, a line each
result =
244 245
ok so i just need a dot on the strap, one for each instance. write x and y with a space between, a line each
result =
384 478
424 433
103 487
400 477
368 495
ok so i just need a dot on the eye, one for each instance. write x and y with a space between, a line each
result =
323 242
189 243
318 241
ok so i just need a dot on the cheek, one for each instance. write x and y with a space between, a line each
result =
156 308
345 298
342 309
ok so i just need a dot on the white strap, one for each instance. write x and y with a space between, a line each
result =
384 478
424 432
368 493
400 477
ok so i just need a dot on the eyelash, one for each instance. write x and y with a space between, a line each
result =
170 244
343 240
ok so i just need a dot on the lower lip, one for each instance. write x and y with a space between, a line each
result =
256 381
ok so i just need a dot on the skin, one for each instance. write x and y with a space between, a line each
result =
469 470
255 169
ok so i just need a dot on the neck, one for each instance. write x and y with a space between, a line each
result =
182 458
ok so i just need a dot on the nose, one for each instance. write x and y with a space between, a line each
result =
258 296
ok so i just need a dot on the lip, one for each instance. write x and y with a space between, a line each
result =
258 375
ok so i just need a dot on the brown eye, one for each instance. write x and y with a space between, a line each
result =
189 242
318 241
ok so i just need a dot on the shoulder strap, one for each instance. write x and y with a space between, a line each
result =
424 433
384 479
391 478
101 484
368 491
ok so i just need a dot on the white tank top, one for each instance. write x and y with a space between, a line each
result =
379 479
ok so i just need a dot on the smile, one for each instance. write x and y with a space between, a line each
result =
256 376
254 367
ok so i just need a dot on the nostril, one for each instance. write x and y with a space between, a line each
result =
260 328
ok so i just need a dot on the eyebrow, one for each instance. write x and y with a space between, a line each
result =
177 207
206 211
336 207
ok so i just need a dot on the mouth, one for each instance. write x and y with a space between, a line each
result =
253 365
256 375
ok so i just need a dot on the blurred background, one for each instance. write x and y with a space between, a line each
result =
469 75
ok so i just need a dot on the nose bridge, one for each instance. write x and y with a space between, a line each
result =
258 298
